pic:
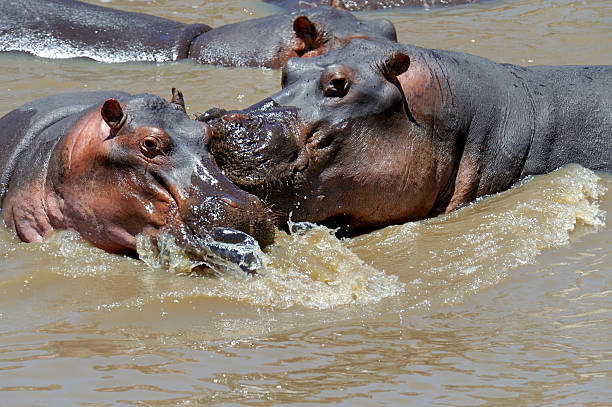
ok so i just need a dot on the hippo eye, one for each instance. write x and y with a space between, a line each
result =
150 146
338 86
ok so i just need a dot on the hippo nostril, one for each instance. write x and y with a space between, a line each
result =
234 117
230 203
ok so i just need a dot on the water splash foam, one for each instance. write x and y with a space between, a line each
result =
312 269
447 258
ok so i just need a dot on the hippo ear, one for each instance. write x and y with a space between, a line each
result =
393 68
112 113
177 100
308 32
397 64
303 27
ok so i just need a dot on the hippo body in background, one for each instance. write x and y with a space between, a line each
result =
70 29
111 166
378 133
362 5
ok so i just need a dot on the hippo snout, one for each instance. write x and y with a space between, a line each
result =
226 230
244 212
246 144
252 217
251 131
264 107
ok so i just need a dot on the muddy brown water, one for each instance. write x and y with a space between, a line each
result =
505 302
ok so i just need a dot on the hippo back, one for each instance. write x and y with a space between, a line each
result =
360 5
70 29
23 129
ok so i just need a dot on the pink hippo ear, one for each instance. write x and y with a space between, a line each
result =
177 100
309 37
112 113
397 64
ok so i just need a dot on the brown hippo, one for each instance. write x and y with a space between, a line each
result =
361 5
111 166
70 28
376 133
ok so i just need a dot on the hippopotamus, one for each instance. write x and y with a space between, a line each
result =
377 133
112 166
271 41
362 5
70 28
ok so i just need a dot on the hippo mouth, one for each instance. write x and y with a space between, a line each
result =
211 221
220 251
195 233
226 232
196 230
164 185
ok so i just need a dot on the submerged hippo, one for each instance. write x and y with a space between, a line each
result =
271 41
360 5
378 133
111 166
70 28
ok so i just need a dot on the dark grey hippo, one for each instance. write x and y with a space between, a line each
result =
271 41
70 28
111 166
376 133
361 5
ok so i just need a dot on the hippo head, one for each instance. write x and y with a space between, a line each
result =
351 140
141 166
322 29
271 41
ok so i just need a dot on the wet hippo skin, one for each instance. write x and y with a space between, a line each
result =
376 133
70 28
110 166
271 41
360 5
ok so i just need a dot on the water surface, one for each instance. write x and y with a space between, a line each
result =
504 302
